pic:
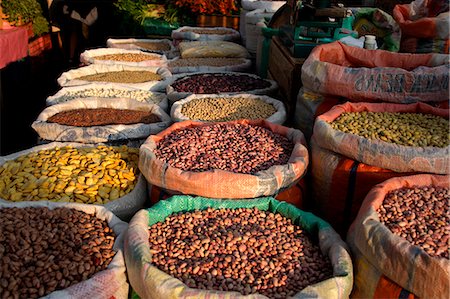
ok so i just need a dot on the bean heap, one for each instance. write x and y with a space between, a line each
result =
243 250
102 117
231 147
227 109
123 77
421 216
128 57
217 83
45 250
139 95
85 175
408 129
209 31
153 46
214 62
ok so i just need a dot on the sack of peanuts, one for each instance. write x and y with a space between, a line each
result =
113 56
184 85
203 49
272 6
399 240
217 108
75 172
358 145
206 34
160 46
147 78
304 258
62 250
237 159
96 120
362 75
218 64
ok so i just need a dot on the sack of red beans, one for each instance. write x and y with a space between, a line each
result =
400 239
238 159
214 248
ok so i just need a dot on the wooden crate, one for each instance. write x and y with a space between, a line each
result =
39 45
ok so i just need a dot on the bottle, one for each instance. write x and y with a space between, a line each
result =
369 42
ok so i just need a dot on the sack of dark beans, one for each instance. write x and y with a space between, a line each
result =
214 248
400 239
61 250
238 159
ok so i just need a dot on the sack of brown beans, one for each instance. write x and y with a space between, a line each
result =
238 159
206 34
262 248
113 56
147 78
75 172
358 145
212 49
219 64
61 250
217 108
183 85
400 239
160 46
95 120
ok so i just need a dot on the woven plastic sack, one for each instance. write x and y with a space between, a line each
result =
254 21
388 266
279 117
272 6
109 283
212 49
150 282
89 57
110 91
220 183
130 44
70 78
242 67
424 45
187 33
97 134
362 75
124 207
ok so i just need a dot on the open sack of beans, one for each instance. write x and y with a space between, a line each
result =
206 248
358 145
219 108
400 239
61 250
218 64
183 85
95 120
147 78
213 49
366 75
160 46
74 172
239 159
206 34
108 91
113 56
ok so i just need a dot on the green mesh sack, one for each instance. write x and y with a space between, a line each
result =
150 282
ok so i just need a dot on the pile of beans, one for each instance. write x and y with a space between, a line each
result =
85 175
102 117
243 250
231 147
128 57
139 95
153 46
421 216
215 62
227 109
408 129
45 250
209 31
217 83
123 77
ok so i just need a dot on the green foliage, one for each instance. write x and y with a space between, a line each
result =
25 11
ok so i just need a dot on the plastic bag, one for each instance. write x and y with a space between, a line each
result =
89 57
187 33
211 49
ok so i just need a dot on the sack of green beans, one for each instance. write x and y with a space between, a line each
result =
400 239
217 49
95 120
75 172
61 250
112 56
160 46
205 34
236 159
212 248
358 145
217 108
219 64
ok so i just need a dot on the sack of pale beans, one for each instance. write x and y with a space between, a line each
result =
61 250
147 78
218 108
160 46
400 239
358 145
95 120
214 64
238 159
259 248
205 34
363 75
75 172
214 49
113 56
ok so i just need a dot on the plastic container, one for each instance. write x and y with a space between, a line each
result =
370 42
